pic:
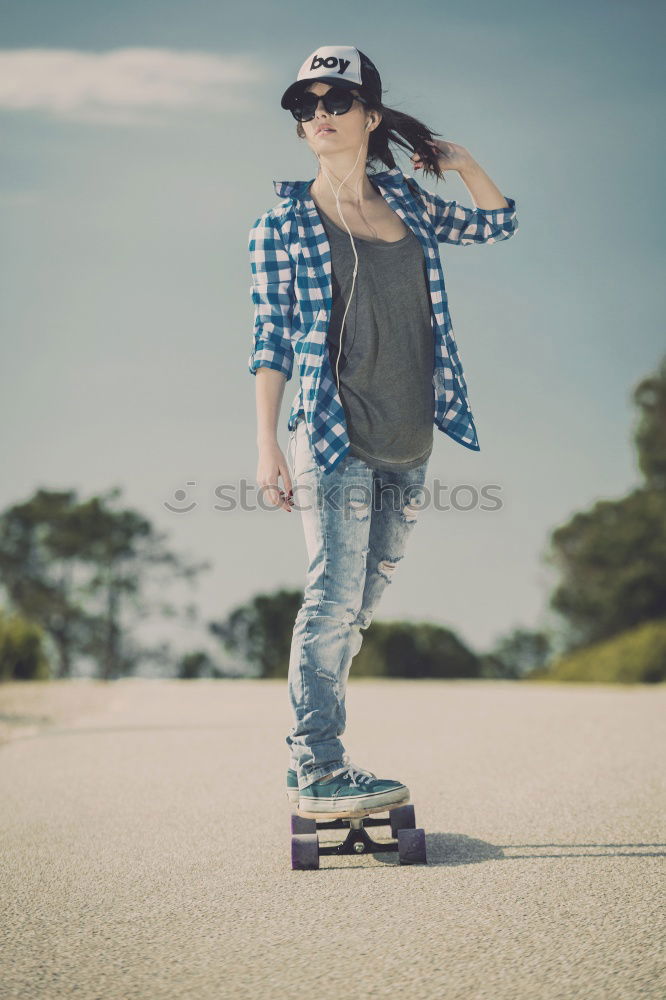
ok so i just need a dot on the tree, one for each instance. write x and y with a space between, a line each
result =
38 572
415 650
650 435
519 653
612 558
260 632
22 654
81 570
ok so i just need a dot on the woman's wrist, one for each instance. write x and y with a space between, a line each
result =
471 170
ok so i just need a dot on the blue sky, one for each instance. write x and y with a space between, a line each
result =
140 142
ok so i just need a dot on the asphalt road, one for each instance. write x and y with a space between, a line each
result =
145 848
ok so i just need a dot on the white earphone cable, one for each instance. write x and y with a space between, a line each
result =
337 203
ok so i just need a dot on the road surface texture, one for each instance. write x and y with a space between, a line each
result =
146 848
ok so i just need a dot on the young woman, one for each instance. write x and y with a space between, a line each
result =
346 278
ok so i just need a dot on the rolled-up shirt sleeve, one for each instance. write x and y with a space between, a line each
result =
456 223
272 293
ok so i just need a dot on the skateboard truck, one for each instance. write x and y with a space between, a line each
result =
409 840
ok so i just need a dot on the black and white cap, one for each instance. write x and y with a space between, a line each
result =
343 65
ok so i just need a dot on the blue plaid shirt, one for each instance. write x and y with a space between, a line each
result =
291 292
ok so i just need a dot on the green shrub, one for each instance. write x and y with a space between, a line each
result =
192 666
637 656
22 656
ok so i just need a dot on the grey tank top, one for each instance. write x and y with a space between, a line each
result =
388 352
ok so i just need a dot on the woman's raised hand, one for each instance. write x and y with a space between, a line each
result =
450 156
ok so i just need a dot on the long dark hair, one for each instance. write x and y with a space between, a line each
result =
402 130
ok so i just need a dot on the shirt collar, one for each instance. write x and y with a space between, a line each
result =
297 189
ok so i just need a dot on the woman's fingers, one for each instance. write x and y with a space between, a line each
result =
285 502
286 495
278 498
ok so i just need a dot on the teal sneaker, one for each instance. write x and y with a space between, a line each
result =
292 780
351 791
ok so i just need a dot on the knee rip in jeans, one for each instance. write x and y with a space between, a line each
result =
354 619
361 509
363 619
387 568
410 512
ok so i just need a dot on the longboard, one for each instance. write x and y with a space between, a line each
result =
409 841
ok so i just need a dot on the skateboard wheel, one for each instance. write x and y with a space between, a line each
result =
412 847
305 851
301 824
402 818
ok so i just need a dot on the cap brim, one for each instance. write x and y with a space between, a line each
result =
302 84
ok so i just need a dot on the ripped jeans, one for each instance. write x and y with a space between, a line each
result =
356 521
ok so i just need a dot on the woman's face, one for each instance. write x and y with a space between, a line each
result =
344 131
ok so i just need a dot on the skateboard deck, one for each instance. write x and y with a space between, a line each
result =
351 813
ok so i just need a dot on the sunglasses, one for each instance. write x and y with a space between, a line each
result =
337 101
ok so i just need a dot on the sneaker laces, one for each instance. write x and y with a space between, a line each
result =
356 774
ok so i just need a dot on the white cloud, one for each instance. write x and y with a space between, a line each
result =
123 84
